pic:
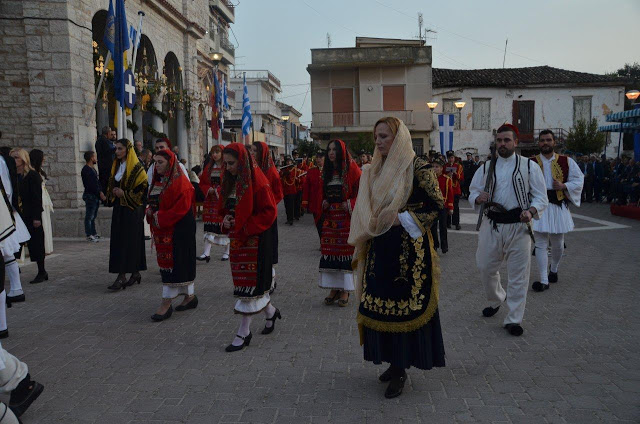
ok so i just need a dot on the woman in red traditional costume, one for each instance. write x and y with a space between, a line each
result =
264 161
210 184
249 210
170 214
289 177
340 178
312 192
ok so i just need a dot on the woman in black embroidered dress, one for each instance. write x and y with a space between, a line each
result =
397 267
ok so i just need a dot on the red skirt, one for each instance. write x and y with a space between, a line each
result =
251 260
337 254
212 220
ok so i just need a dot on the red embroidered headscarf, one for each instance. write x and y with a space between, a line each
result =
350 169
249 181
174 182
269 170
205 179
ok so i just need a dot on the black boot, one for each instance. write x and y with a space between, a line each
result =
42 273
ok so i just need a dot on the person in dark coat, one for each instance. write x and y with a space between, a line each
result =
30 202
105 149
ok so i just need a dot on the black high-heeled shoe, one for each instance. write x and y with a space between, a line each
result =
245 342
269 330
203 258
192 304
120 283
166 315
4 334
134 279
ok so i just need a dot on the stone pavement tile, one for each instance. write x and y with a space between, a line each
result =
488 413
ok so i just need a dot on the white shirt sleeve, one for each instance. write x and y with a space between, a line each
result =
574 183
537 189
6 180
409 225
150 175
476 187
184 170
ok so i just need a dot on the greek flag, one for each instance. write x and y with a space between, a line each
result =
225 98
133 35
446 124
247 120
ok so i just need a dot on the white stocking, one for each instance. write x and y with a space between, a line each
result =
542 241
244 330
3 310
13 273
557 249
207 249
226 250
269 311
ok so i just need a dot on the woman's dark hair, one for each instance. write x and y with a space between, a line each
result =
258 146
228 180
327 171
122 141
37 158
197 169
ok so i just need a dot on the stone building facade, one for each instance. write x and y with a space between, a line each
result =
48 75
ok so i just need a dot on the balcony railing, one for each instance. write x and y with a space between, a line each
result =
358 119
559 135
257 74
225 44
224 6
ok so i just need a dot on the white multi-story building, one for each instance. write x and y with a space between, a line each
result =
533 99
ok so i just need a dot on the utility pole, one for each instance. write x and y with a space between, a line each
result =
504 58
420 26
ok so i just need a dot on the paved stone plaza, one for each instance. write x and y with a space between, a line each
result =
102 360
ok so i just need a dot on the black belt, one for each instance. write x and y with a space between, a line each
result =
552 195
509 217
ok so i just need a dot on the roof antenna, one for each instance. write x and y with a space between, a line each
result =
505 53
420 26
328 40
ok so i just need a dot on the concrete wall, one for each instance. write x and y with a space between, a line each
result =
553 109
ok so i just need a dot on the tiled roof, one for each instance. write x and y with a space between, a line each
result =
514 77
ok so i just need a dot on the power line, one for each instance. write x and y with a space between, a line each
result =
305 97
293 95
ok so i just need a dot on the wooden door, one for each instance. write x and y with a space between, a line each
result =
342 101
523 118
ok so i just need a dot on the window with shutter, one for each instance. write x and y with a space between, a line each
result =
481 114
448 107
581 109
393 97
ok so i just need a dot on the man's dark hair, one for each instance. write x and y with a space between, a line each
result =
106 130
88 155
545 132
505 128
196 169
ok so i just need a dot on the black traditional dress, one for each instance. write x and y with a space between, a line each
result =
398 314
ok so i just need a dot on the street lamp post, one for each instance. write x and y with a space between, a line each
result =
633 96
459 105
285 118
431 105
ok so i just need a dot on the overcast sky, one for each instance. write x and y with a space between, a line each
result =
594 36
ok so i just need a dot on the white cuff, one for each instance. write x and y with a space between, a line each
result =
409 225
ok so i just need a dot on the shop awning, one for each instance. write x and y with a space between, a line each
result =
624 115
626 127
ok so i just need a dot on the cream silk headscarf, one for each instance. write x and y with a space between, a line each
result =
385 187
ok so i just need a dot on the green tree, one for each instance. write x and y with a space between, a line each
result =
363 142
307 148
585 137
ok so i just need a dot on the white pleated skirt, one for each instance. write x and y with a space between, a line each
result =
338 280
217 239
555 220
11 244
252 306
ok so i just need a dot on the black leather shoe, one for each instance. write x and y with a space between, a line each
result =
514 329
203 258
245 342
41 277
19 403
4 334
18 298
489 311
553 277
269 330
539 287
166 315
445 250
386 376
458 227
120 283
396 385
135 278
193 304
